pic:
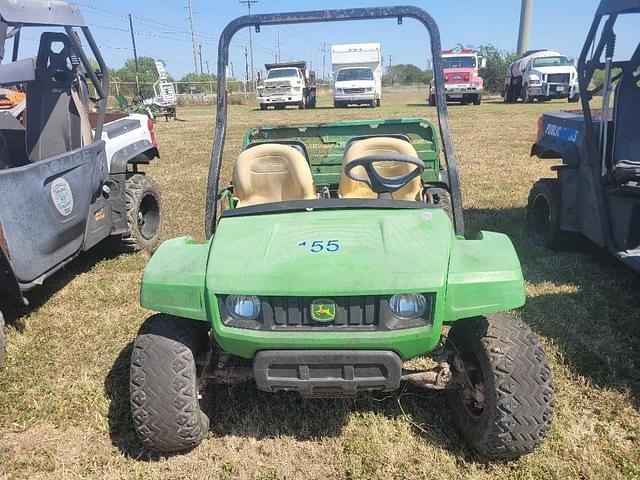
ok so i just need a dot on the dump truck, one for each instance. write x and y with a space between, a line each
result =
290 83
541 75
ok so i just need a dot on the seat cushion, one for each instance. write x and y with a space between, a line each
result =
272 172
379 146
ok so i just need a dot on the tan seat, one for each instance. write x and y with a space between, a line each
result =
272 172
379 146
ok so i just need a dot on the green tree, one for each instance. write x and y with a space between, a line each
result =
147 74
198 83
407 74
496 70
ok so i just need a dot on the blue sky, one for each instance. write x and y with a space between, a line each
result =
162 29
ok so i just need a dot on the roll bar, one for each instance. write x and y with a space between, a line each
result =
320 16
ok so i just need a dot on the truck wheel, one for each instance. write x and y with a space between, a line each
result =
477 100
574 99
543 215
263 106
303 103
377 102
163 384
432 100
506 406
144 220
526 98
3 341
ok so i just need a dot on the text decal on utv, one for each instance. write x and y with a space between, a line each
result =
332 259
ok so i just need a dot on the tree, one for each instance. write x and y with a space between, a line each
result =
496 69
147 73
407 74
199 82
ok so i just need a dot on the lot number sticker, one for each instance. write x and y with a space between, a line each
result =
317 246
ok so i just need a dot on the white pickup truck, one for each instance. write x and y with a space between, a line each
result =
541 75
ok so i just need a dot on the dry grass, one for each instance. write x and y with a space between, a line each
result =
63 392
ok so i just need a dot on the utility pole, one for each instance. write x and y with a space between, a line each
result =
525 26
206 62
279 57
200 53
391 75
248 3
135 54
324 60
233 75
246 65
193 36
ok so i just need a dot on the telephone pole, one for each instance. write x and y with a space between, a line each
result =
525 26
391 75
135 54
246 65
324 60
279 58
206 62
193 36
200 54
248 3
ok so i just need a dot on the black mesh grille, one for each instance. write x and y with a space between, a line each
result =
558 78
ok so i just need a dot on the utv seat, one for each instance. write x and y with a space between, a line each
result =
626 118
379 146
272 172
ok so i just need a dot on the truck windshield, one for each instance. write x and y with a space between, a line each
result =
350 74
282 73
551 62
459 62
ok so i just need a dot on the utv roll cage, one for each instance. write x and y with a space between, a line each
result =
14 16
591 60
319 16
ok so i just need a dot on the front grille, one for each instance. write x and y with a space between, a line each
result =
353 90
360 313
278 90
558 78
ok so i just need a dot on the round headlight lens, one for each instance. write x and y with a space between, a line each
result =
243 307
408 306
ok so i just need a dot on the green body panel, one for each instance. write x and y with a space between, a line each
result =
484 277
381 252
325 143
174 279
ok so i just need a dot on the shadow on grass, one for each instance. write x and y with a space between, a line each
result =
588 306
242 410
14 311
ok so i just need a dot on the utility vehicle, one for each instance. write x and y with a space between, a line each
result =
67 180
332 259
596 190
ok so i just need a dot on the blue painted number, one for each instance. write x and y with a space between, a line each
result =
317 246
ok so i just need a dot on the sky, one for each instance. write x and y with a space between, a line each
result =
162 30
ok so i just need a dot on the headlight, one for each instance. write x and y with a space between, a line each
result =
408 306
368 89
339 91
243 307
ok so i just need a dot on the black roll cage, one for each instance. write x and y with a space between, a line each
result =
99 81
319 16
588 62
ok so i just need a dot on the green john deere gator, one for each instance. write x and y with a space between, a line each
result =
337 254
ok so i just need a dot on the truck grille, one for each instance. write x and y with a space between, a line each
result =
558 78
370 312
351 91
277 90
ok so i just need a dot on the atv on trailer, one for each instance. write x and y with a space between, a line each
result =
331 260
67 180
597 189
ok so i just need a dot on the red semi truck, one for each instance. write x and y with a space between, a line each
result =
462 81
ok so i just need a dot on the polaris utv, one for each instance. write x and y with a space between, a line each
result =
67 180
596 192
338 253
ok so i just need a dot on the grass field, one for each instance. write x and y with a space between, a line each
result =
64 393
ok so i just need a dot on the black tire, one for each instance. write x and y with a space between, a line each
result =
3 341
377 102
574 99
526 98
432 100
263 106
510 95
303 103
477 100
507 410
163 384
144 214
543 215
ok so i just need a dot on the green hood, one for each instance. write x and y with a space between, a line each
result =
361 252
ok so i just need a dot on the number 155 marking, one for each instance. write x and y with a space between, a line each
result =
317 246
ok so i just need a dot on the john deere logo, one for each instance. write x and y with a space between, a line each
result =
323 310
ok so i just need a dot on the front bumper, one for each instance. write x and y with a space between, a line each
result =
354 97
553 90
327 372
460 90
291 98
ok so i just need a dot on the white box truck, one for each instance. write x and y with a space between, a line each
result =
357 74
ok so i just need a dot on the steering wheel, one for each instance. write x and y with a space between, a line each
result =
383 186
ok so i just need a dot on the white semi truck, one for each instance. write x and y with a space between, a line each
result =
541 75
357 74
